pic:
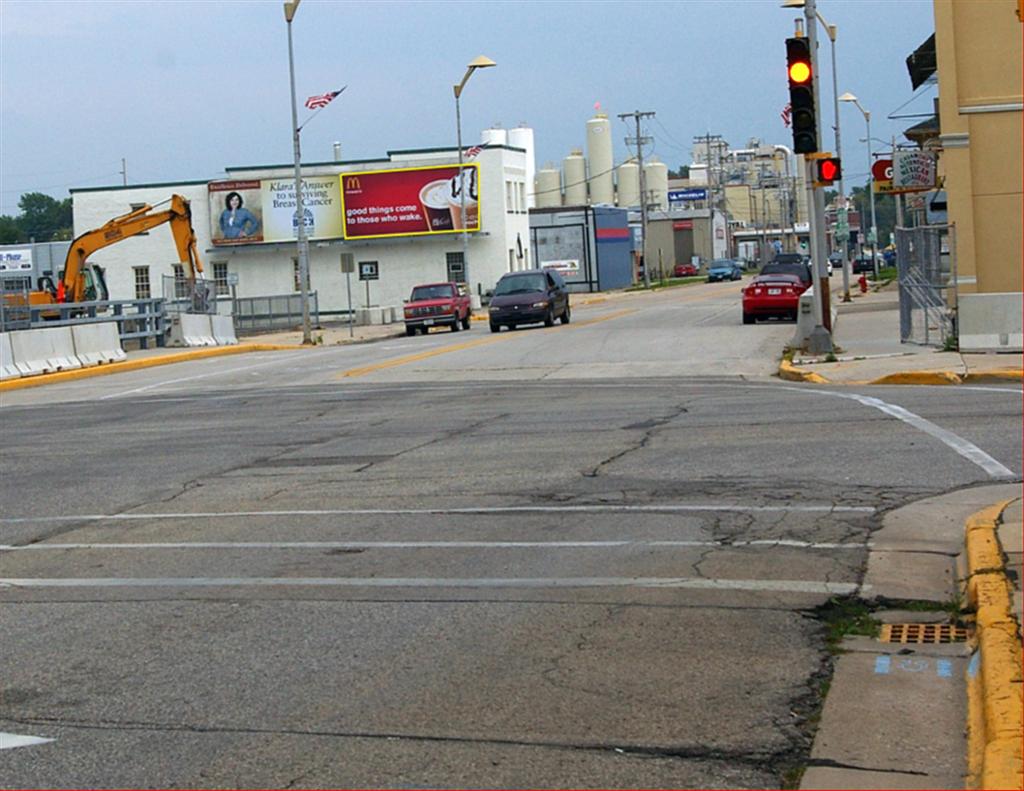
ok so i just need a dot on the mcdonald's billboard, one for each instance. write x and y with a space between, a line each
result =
410 201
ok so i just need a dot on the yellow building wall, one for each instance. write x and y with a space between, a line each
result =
979 54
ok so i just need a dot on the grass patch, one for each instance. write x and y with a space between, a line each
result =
669 282
845 617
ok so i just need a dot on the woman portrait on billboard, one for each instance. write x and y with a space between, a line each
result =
237 222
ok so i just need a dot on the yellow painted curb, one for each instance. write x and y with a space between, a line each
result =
995 685
1002 374
142 362
791 373
919 378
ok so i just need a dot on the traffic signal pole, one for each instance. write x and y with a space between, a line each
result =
821 338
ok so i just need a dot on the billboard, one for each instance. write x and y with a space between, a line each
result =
250 212
410 201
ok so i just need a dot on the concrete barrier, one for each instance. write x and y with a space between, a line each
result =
990 322
8 370
43 350
97 343
191 329
805 322
223 330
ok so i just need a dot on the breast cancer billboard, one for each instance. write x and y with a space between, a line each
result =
410 201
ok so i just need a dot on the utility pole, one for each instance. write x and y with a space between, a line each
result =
637 116
714 160
821 338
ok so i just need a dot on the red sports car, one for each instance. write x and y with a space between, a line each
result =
684 270
772 295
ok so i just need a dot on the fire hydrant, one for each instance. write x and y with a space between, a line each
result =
862 281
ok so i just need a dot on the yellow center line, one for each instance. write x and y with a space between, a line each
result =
456 347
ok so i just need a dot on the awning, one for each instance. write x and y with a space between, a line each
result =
921 63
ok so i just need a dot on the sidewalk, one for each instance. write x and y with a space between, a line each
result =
869 351
926 713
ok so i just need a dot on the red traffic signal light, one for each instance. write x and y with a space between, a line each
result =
801 95
828 171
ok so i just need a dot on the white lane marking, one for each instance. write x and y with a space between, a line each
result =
777 586
965 448
8 741
613 544
983 389
483 510
218 372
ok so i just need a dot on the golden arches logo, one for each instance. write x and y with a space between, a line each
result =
353 183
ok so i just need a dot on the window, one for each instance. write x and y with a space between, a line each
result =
296 275
521 191
220 278
511 260
510 205
142 286
136 207
456 267
181 290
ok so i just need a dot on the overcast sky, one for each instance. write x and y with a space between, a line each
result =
183 89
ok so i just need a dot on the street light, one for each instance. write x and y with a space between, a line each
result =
873 237
479 62
300 237
842 234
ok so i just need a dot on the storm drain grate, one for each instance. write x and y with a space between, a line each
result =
922 633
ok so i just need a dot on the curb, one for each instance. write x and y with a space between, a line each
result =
919 378
791 373
994 681
144 362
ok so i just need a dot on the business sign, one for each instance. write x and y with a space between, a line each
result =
368 270
682 225
882 170
410 201
567 267
251 212
16 260
691 194
913 171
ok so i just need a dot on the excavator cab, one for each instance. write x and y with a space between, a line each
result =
94 280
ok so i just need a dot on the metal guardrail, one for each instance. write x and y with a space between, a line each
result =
275 312
141 320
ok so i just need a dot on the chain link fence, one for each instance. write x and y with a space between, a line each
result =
926 267
182 295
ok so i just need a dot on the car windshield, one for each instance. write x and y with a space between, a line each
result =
723 263
521 284
442 291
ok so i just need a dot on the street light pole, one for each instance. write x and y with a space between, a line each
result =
300 236
873 233
480 62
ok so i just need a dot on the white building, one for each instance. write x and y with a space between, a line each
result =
135 267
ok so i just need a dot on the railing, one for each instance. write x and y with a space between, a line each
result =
926 266
141 320
281 311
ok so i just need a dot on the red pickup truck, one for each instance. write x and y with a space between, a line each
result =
437 304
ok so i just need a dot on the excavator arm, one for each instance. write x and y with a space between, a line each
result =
179 215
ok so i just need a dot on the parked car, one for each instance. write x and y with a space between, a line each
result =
437 304
863 265
789 267
529 297
724 269
685 270
772 295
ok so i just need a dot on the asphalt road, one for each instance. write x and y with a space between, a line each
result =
595 555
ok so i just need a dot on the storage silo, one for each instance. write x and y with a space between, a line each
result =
599 157
495 136
629 185
548 194
575 167
656 175
522 137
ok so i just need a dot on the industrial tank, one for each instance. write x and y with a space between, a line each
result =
575 167
629 185
599 157
548 189
522 137
656 175
495 136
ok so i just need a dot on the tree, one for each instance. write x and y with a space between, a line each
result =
44 218
10 233
683 172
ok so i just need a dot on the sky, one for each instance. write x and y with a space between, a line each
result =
182 89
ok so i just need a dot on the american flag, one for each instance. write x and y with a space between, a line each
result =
472 152
321 100
786 114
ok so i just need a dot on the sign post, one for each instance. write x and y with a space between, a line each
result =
368 271
348 266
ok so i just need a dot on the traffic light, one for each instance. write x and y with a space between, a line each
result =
801 95
827 171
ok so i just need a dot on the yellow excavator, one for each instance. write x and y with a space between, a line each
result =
79 282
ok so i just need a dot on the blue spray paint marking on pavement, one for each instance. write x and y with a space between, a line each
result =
944 668
975 664
914 665
882 664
